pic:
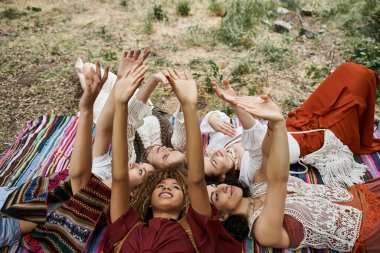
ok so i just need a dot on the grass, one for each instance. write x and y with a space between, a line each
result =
159 13
219 39
12 13
217 8
198 36
316 73
183 8
279 56
237 28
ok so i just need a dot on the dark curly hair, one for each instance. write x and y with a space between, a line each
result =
236 225
143 194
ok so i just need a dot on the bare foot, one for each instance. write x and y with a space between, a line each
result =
79 69
79 66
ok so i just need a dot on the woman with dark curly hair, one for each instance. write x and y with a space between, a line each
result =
168 224
286 212
334 122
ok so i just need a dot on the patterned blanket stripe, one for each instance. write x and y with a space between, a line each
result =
46 144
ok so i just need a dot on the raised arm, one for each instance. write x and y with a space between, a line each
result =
81 159
146 89
124 90
103 135
185 89
268 229
228 95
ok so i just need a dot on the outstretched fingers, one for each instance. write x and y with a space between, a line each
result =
105 74
173 74
145 54
216 88
136 54
139 71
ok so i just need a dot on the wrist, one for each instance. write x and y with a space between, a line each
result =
85 110
189 106
121 105
272 124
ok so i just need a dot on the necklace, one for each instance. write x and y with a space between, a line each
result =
233 155
252 206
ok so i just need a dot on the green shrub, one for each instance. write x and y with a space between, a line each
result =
159 14
217 8
198 36
237 28
148 26
123 2
12 13
252 91
243 68
282 57
365 51
212 73
228 110
291 4
317 73
183 8
109 55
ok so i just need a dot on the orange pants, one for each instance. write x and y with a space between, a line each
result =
343 103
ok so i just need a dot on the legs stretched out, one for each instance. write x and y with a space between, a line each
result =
343 103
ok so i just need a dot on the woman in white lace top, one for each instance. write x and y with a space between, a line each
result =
140 121
285 212
336 120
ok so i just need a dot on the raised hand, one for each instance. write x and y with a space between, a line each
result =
161 77
222 126
127 85
131 59
227 94
261 107
94 81
183 85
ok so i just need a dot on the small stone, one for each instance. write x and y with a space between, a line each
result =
282 10
308 34
282 26
266 22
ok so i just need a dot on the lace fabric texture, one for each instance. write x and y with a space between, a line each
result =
150 132
336 163
179 132
137 112
326 224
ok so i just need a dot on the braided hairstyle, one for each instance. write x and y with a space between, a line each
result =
141 200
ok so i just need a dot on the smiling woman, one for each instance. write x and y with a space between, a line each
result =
163 157
167 221
285 212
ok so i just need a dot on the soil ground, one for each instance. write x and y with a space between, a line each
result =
38 49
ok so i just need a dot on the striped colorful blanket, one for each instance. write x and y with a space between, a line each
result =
45 147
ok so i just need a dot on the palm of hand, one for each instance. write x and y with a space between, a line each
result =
124 89
266 109
129 64
186 91
228 95
90 93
